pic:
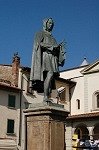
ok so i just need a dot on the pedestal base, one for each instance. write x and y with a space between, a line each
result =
46 104
45 128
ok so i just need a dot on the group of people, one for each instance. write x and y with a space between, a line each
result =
88 144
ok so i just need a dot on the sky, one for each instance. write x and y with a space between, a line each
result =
76 22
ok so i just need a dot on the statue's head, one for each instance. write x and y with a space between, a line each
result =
48 24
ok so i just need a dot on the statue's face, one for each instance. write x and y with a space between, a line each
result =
49 25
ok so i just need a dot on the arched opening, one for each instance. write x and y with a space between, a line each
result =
96 132
78 104
96 100
82 132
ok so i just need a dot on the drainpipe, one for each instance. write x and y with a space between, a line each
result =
20 121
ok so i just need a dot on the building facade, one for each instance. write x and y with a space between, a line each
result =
9 116
82 125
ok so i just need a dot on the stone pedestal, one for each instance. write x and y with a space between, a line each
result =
45 129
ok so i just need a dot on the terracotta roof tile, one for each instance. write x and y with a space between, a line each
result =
8 87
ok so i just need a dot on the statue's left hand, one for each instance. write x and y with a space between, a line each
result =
63 43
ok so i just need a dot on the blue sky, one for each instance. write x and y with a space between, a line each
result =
76 21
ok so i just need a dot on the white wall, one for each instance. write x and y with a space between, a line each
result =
77 92
93 86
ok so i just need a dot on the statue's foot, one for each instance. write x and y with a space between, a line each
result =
46 99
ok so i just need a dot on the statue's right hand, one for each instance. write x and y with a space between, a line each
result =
30 84
30 87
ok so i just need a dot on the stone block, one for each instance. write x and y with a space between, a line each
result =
45 127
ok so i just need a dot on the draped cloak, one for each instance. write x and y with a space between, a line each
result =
44 58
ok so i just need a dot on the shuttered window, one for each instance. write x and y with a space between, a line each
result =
10 126
11 101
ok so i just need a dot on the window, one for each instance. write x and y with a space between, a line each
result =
11 101
10 126
78 104
61 94
79 133
97 99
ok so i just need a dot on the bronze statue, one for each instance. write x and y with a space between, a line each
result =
46 58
